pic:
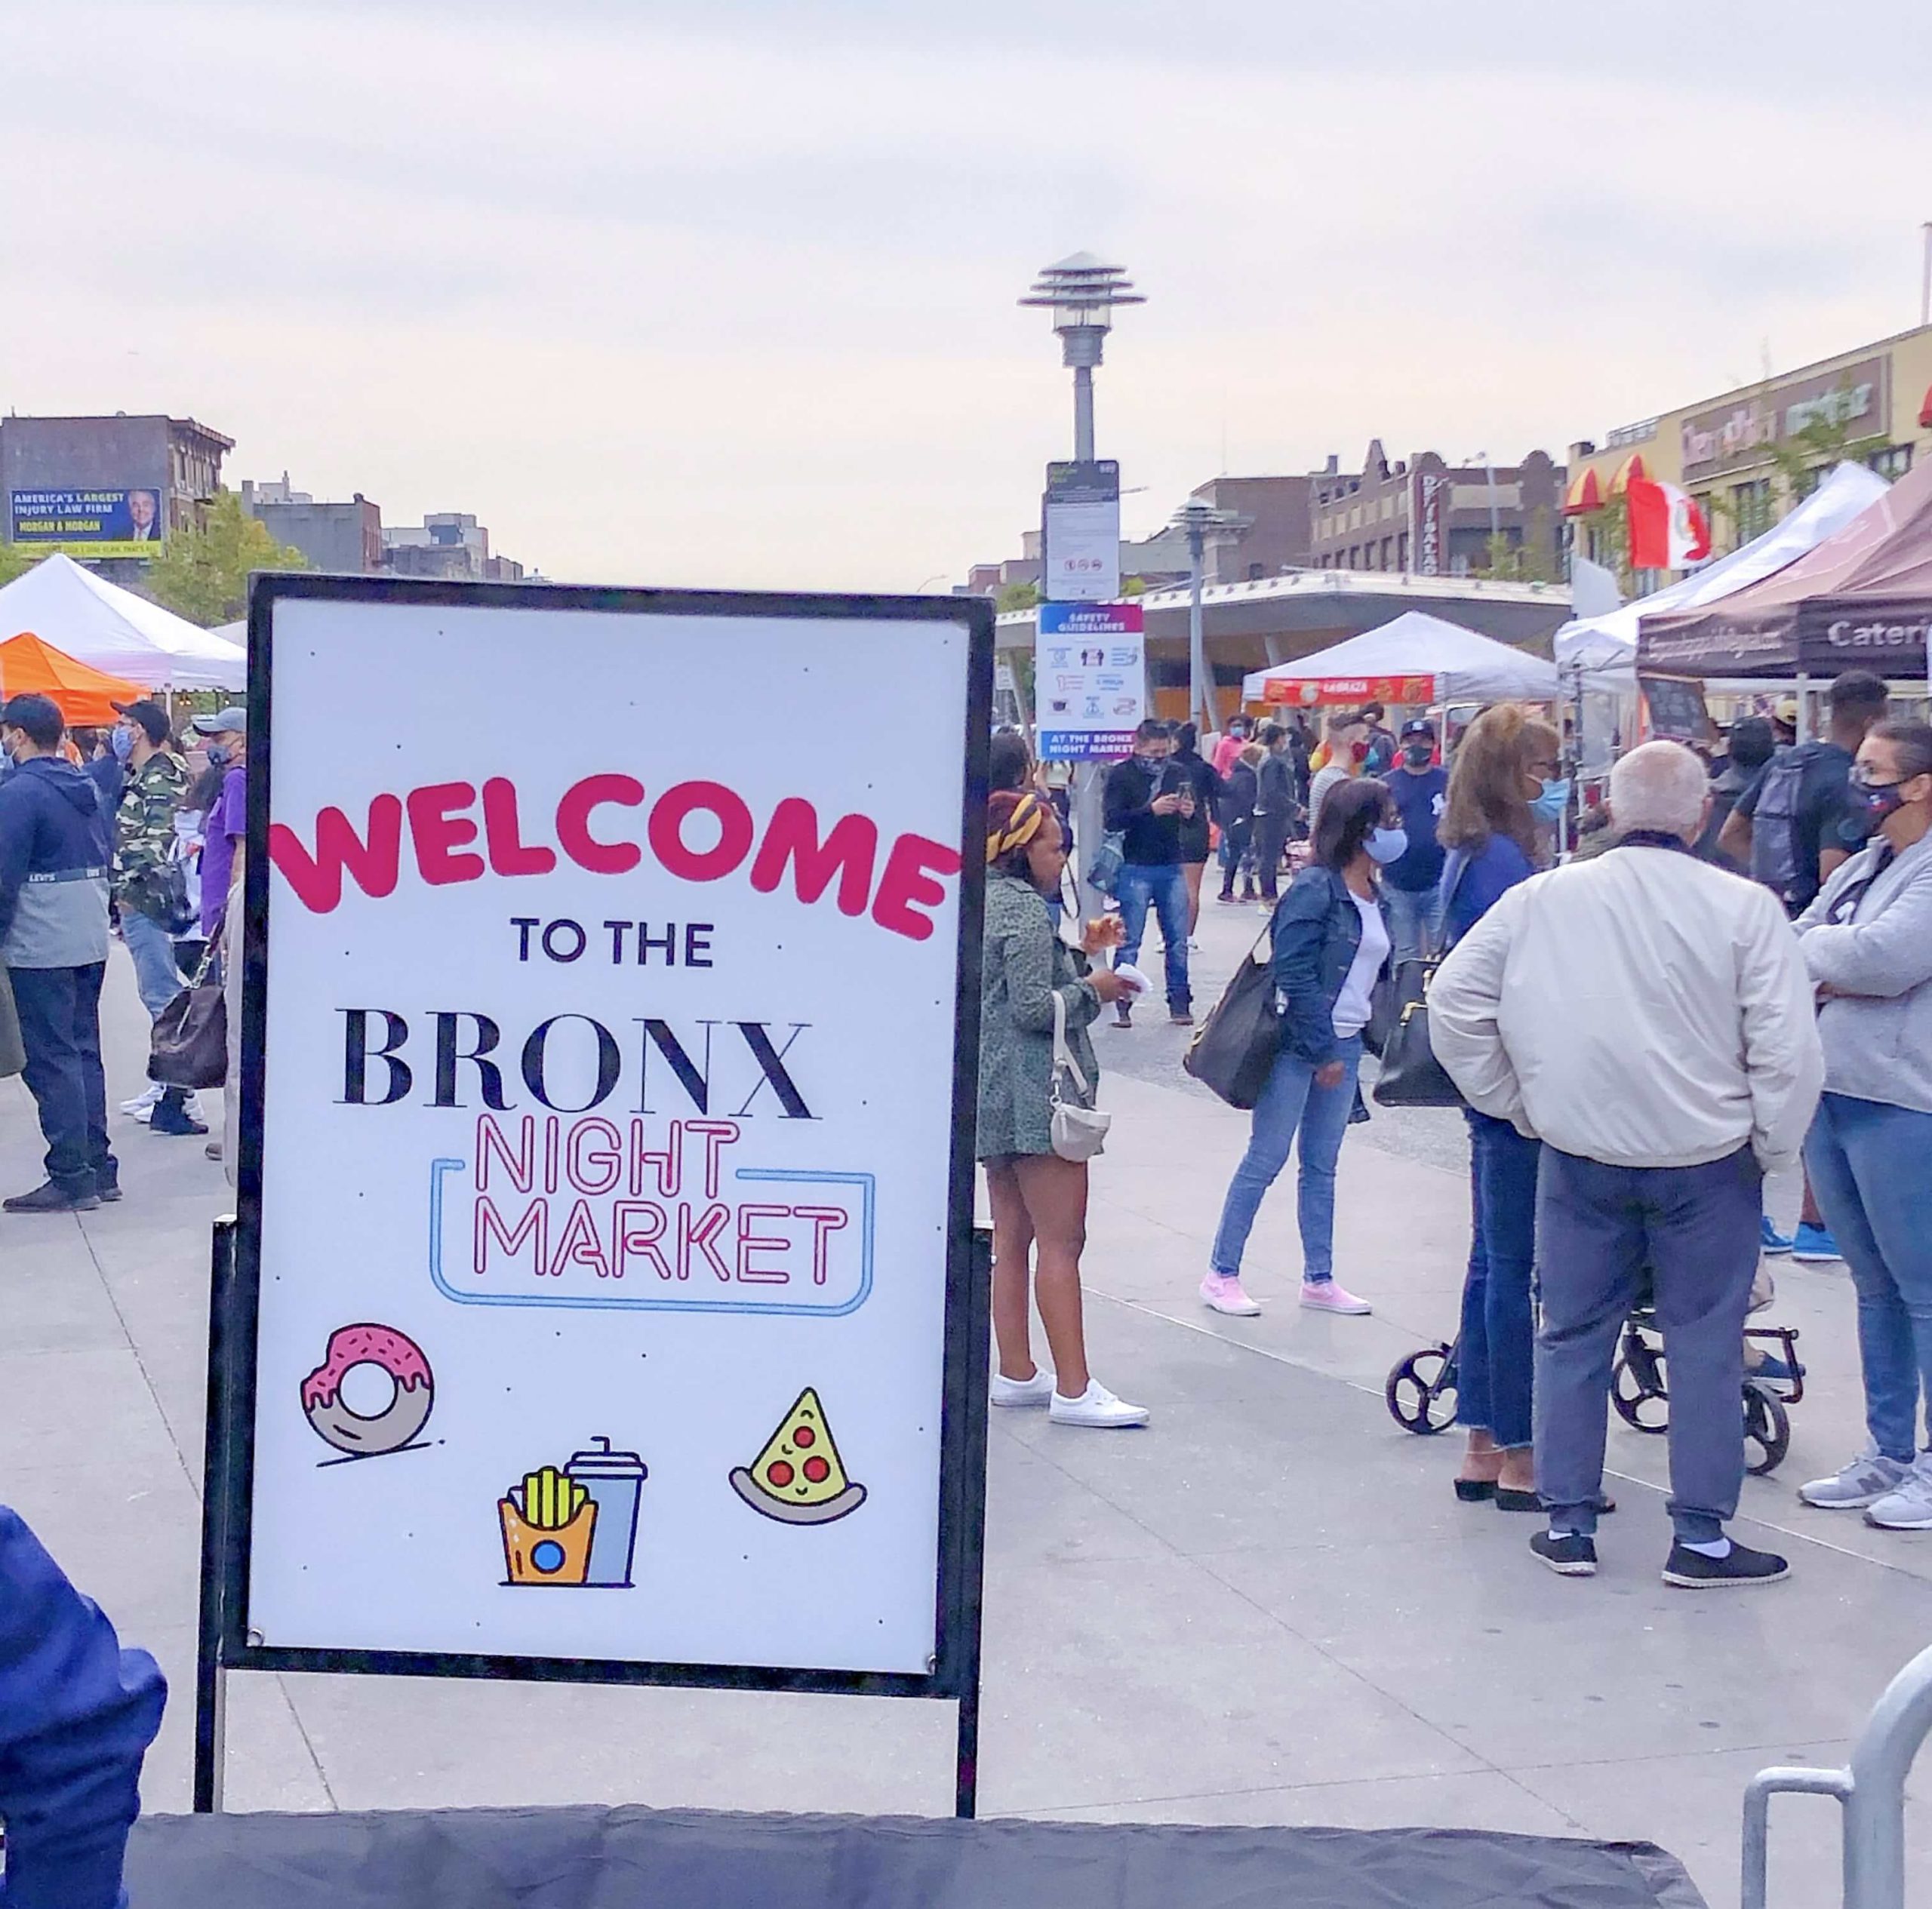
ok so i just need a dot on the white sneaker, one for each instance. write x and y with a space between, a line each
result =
143 1102
1036 1390
1222 1292
1908 1508
1865 1481
1327 1295
1095 1406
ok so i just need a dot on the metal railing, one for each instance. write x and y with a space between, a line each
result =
1871 1794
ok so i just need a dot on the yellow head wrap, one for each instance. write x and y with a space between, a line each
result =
1021 827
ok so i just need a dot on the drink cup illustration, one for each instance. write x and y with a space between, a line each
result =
614 1481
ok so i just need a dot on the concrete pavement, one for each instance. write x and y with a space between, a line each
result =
1267 1607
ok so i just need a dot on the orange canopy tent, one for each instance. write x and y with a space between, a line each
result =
29 666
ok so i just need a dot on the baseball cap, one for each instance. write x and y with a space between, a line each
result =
1786 711
152 717
1418 726
233 717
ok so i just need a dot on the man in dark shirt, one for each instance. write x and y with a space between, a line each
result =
1795 824
1275 807
1806 792
1420 789
1146 800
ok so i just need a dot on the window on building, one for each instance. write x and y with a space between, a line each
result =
1751 508
1402 551
1254 572
1893 461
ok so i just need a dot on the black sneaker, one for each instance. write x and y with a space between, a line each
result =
1571 1556
50 1197
106 1191
171 1117
1690 1570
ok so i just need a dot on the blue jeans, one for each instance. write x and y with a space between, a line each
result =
1412 917
1291 1101
1496 1355
1868 1163
157 975
1163 886
59 1015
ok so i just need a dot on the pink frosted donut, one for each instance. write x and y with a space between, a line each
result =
408 1411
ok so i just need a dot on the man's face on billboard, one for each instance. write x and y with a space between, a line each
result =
140 507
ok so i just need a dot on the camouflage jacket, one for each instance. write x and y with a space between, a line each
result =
144 823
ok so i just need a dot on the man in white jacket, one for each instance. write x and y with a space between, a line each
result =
1648 1017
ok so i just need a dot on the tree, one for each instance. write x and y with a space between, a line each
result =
1531 561
202 574
17 559
1019 596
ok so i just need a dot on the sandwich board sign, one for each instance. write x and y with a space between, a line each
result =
602 1303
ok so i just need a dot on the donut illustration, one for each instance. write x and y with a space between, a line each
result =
408 1409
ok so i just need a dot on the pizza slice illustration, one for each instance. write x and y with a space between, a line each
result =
799 1478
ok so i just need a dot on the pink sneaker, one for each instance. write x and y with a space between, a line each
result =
1222 1292
1325 1296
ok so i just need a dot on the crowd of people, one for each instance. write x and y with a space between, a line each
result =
102 834
1730 975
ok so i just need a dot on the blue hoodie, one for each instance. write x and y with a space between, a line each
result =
77 1713
54 855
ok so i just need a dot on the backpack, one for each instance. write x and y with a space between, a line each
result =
1774 820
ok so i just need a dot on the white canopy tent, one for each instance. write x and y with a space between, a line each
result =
83 616
1604 648
1466 667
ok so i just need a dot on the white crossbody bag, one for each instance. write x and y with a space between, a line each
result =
1078 1129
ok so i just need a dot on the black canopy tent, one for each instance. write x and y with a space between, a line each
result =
1860 600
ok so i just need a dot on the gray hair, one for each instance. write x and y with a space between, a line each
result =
1659 786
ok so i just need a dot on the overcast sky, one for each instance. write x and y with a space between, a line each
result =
723 293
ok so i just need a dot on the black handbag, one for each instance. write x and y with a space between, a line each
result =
1411 1076
189 1045
1235 1050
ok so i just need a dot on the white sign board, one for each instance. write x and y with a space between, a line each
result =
1080 524
611 1191
1090 680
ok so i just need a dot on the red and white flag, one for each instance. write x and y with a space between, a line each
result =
1667 530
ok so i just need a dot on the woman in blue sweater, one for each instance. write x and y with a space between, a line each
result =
1503 791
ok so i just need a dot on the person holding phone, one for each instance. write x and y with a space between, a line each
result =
1147 800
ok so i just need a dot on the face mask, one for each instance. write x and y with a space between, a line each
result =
121 742
1388 845
1549 806
1416 754
218 755
1878 799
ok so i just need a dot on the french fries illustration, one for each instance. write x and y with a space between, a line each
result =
548 1521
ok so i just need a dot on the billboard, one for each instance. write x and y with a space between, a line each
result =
604 1260
1080 543
1090 680
124 523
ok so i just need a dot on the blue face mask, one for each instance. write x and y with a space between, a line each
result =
218 755
1549 806
1388 845
121 742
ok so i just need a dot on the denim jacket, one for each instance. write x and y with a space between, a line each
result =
1317 930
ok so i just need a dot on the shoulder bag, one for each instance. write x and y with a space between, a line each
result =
1411 1076
1235 1050
189 1046
1078 1128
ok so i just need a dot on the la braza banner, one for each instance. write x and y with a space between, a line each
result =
1090 680
609 1168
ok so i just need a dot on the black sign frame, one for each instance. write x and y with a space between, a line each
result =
225 1640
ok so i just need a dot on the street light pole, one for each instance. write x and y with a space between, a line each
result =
1197 520
1080 291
